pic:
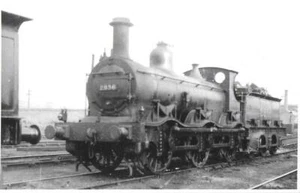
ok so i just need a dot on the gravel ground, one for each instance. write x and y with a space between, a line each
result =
46 171
288 182
237 177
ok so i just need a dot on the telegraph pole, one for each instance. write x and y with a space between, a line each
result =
28 94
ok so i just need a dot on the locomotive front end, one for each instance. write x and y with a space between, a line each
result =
111 87
109 90
110 128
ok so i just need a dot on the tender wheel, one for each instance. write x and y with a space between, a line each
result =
157 164
262 142
228 154
263 152
108 158
199 159
273 150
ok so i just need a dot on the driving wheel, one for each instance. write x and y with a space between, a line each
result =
157 163
199 159
229 154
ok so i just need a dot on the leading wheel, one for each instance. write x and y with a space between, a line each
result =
108 158
262 142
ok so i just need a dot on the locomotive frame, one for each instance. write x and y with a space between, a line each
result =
150 115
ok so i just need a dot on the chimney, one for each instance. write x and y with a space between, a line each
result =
121 37
286 100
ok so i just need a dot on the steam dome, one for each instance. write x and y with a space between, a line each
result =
161 57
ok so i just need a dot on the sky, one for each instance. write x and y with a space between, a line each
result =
259 39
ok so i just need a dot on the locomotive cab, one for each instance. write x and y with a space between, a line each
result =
225 79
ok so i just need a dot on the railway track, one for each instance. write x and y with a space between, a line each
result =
180 171
166 174
274 179
45 143
19 183
289 142
117 181
119 176
30 160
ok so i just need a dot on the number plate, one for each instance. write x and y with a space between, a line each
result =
108 87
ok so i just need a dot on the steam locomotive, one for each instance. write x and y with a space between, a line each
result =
12 129
149 115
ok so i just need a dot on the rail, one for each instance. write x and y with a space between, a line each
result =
118 181
274 179
36 159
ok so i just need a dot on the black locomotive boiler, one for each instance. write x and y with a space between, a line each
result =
12 129
150 115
